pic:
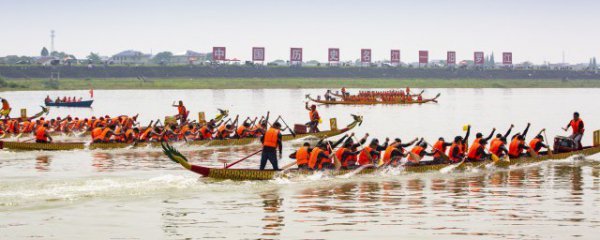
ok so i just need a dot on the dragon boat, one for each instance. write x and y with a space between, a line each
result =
372 102
255 174
14 145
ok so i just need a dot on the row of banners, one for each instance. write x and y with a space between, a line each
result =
258 54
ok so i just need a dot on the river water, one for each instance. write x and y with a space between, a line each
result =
140 194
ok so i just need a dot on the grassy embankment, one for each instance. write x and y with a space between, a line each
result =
251 83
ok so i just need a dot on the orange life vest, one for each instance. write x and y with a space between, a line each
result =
533 145
312 161
240 131
313 115
416 150
270 139
495 146
40 134
439 145
575 126
206 134
474 151
363 158
387 155
96 132
515 149
182 110
302 156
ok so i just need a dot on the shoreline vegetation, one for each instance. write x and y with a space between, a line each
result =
282 83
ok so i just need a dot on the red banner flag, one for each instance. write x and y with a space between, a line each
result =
395 56
423 56
507 58
92 93
478 58
295 54
333 54
365 55
218 54
258 54
451 58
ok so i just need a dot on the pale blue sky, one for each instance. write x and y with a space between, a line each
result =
532 30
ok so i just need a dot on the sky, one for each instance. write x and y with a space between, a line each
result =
536 31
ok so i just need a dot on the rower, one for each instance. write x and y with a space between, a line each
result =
271 143
132 135
371 154
479 136
41 134
498 147
5 111
395 152
243 130
517 144
456 152
348 153
319 158
537 143
477 151
302 155
500 136
419 150
441 146
224 131
314 118
182 112
576 124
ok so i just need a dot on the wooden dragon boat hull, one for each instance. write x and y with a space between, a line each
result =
255 174
213 143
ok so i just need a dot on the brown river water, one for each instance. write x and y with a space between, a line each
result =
140 194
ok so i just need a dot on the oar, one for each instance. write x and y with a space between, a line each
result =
336 161
288 127
451 167
238 161
443 154
358 170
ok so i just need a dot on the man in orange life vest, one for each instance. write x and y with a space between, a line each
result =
576 125
371 154
41 134
314 118
477 151
395 152
419 150
302 156
498 146
182 112
441 145
517 144
537 144
271 143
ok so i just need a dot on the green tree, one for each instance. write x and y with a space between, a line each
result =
44 52
162 57
94 57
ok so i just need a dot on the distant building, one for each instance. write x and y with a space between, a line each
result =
188 57
131 57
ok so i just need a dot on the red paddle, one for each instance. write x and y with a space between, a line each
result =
238 161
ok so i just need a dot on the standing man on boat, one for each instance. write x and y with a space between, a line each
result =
314 118
5 111
576 124
182 112
272 141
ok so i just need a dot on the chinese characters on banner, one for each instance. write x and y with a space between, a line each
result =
395 56
507 58
365 55
296 55
218 54
478 58
423 57
451 58
333 54
258 54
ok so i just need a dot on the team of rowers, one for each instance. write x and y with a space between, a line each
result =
348 153
126 129
370 96
63 99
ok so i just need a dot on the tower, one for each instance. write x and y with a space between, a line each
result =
51 41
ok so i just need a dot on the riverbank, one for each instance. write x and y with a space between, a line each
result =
276 83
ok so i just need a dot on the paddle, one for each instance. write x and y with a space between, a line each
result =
288 127
442 154
358 170
336 161
451 167
550 151
238 161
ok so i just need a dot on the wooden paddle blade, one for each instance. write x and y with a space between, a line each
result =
495 158
414 156
532 153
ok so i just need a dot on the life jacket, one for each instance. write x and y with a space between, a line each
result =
387 155
575 126
515 149
302 156
363 158
206 134
182 132
103 136
95 123
474 151
119 138
222 131
96 132
240 131
270 139
182 110
534 145
314 115
144 135
129 136
416 150
439 145
312 161
495 146
40 134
